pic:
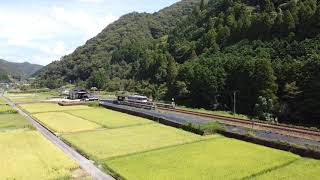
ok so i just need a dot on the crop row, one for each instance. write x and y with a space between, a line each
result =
135 148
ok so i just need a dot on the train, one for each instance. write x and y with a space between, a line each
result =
134 99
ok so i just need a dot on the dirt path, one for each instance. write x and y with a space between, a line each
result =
84 163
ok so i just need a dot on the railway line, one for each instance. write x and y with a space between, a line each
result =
314 134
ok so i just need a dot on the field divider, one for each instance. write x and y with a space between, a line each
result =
164 147
84 163
84 131
268 170
108 127
65 111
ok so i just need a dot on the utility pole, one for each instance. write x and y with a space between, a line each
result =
234 101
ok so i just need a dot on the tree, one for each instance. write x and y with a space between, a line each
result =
98 79
288 20
201 5
223 34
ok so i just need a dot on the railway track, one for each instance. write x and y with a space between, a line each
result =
261 124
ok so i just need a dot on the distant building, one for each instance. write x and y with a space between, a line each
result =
65 92
78 93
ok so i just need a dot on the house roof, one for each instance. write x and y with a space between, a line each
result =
79 90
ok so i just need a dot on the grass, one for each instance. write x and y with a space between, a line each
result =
61 122
28 155
13 121
50 107
302 169
2 101
122 141
209 128
30 97
109 118
221 158
219 113
27 99
6 109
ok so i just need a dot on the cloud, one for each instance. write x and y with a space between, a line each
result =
91 1
48 34
81 21
43 31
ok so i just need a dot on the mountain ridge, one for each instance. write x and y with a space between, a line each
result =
17 70
128 29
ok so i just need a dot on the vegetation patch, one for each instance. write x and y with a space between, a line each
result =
6 109
28 155
50 107
123 141
218 113
109 118
13 121
209 128
220 158
30 97
2 101
301 169
61 122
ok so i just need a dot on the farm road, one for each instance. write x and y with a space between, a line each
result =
84 163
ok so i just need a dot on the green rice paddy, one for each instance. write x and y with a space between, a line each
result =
13 121
221 158
137 148
109 118
61 122
118 142
50 107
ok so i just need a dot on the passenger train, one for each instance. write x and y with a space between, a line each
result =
133 98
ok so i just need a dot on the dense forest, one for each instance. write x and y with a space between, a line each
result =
203 53
17 71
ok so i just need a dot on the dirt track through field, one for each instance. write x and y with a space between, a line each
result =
84 163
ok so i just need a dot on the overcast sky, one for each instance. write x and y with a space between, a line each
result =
40 31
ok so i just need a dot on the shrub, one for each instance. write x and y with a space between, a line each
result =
93 104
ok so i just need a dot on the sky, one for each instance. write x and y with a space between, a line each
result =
41 31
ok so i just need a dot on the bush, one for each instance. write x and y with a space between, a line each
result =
93 104
6 109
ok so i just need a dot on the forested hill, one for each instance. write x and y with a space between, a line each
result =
129 29
266 52
17 70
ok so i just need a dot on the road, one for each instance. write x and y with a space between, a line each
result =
84 163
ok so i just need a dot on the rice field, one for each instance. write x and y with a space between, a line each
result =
301 169
2 101
49 107
109 118
13 121
136 148
28 155
6 109
61 122
123 141
221 158
28 97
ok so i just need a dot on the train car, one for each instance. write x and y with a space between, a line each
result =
137 99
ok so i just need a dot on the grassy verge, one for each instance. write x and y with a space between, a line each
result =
219 113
